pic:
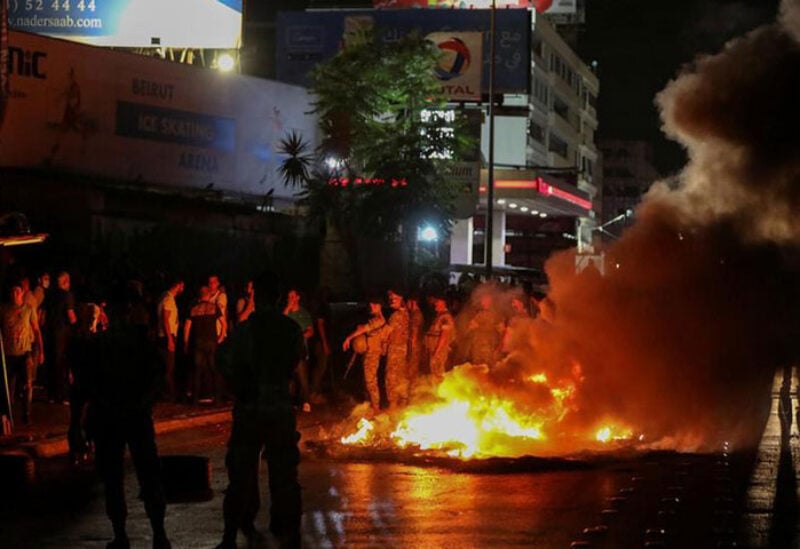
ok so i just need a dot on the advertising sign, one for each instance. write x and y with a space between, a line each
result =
214 24
94 111
459 69
542 6
308 38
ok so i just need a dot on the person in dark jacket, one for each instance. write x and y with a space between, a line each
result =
259 363
121 393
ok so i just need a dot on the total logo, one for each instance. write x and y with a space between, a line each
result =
456 59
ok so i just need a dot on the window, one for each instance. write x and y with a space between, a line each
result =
541 91
558 146
536 132
561 108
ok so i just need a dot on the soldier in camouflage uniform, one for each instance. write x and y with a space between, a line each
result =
415 342
397 352
484 333
438 339
376 332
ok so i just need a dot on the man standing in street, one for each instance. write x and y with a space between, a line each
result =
376 333
397 352
415 341
22 343
167 318
61 319
438 339
258 363
219 298
302 317
121 392
200 329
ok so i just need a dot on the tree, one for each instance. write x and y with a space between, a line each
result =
381 165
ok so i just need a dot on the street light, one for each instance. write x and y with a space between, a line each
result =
226 62
428 234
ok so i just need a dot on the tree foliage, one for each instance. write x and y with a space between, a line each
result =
370 99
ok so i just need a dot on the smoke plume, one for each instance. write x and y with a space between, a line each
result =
696 307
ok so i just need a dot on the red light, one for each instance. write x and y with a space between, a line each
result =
542 187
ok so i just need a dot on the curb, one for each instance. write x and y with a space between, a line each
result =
58 445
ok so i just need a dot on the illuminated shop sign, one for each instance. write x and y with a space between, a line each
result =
215 24
542 187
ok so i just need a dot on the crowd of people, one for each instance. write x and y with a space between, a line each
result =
111 355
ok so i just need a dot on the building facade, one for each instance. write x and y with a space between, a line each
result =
546 162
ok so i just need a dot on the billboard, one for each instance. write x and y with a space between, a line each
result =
459 69
214 24
95 111
305 39
542 6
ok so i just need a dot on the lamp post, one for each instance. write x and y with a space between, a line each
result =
490 183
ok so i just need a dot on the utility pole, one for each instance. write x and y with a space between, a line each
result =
487 238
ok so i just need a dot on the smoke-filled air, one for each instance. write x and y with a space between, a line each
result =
675 343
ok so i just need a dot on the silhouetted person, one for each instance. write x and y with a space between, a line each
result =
121 393
61 318
86 349
259 362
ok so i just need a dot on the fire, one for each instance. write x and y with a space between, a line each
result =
470 414
466 429
608 433
538 378
365 428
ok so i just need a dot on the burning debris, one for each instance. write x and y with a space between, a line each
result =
675 345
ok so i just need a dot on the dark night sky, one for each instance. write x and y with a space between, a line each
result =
641 44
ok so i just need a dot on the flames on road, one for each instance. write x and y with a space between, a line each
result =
471 415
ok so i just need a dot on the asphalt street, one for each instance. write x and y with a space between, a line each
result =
656 499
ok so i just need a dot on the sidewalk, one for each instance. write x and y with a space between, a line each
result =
46 436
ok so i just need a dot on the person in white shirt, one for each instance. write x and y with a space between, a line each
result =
168 322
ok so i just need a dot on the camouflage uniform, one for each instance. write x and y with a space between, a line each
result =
484 337
438 361
414 344
397 358
376 340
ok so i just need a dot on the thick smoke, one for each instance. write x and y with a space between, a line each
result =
697 305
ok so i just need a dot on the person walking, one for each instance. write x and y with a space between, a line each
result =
375 331
258 363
